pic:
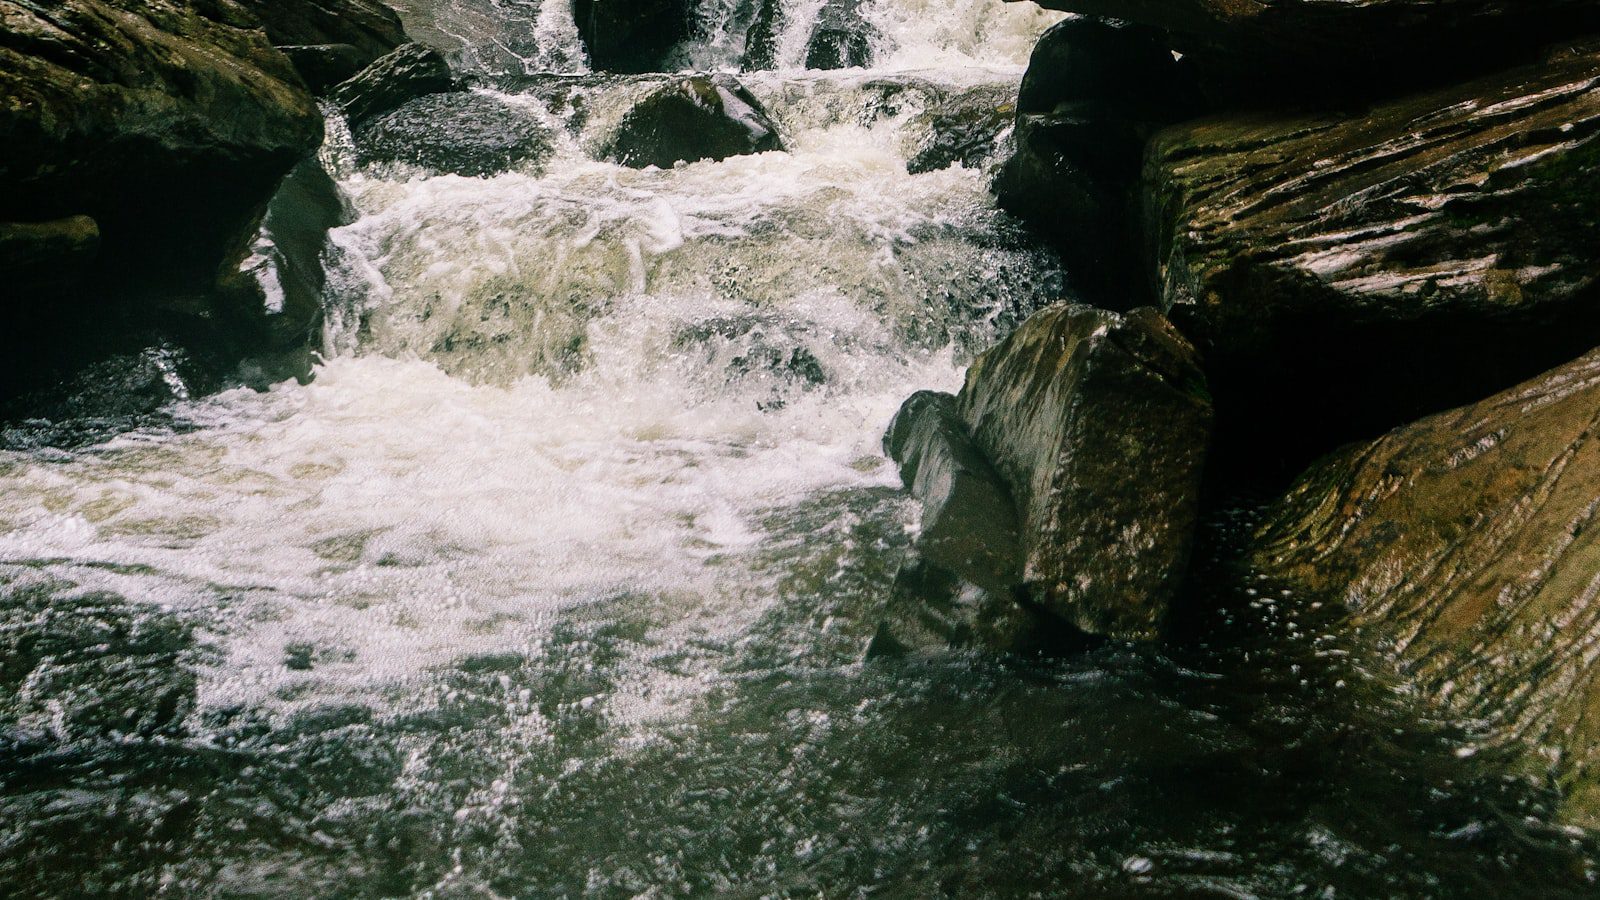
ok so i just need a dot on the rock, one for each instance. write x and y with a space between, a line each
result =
1465 548
169 128
1093 94
1342 274
463 133
286 261
329 40
966 129
631 36
408 73
761 38
1300 50
1098 424
841 38
33 253
699 117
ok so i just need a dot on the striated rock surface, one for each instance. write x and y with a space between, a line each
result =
1466 549
1343 274
1294 50
1098 424
328 40
409 72
631 36
1093 94
694 118
967 128
460 133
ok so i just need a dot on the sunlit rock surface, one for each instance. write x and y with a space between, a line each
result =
1344 274
1465 548
1099 424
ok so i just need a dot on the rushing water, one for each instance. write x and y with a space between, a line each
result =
556 580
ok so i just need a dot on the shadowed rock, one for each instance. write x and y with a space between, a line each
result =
329 40
841 38
700 117
1343 274
33 253
409 72
631 36
1466 548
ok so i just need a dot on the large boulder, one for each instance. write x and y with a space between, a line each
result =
1345 273
167 124
631 36
328 40
1097 426
409 72
1465 548
694 118
1093 94
1315 49
465 133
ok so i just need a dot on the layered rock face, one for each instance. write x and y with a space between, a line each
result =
1294 50
1465 547
1097 425
1345 273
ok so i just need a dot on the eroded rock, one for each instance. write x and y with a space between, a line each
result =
410 72
694 118
461 133
329 40
1465 549
1346 273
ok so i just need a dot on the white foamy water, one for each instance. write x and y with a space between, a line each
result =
580 391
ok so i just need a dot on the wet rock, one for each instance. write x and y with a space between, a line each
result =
1093 94
328 40
33 253
168 125
841 38
1346 273
1299 50
761 38
966 129
700 117
1464 548
631 36
286 262
1098 423
411 71
459 133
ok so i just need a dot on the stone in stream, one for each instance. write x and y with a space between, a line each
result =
462 133
1465 548
411 71
841 38
967 129
1296 51
631 36
693 118
328 40
1096 425
1343 274
1093 94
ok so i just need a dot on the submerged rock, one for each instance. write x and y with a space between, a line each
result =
1465 549
965 129
462 133
699 117
631 36
409 72
1093 94
1296 50
1345 273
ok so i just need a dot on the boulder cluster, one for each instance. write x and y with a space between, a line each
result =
1341 256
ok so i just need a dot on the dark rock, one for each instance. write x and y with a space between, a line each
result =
409 72
325 65
1093 94
965 129
1313 50
1098 423
761 39
1465 549
841 39
700 117
1344 274
631 36
286 262
461 133
328 40
34 253
169 127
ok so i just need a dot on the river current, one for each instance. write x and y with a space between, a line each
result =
555 580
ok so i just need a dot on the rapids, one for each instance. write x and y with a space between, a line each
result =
555 580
